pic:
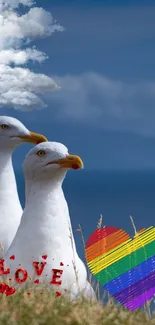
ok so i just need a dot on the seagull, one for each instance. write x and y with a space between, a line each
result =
45 230
12 134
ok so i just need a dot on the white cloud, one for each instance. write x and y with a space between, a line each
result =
106 103
15 3
20 57
20 87
35 23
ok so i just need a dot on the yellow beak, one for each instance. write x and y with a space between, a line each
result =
71 161
34 138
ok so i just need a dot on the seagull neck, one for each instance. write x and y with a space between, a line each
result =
42 191
6 168
8 187
46 205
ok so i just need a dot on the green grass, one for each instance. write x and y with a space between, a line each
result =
46 308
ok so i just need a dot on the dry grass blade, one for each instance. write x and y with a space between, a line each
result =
73 261
133 224
99 225
147 304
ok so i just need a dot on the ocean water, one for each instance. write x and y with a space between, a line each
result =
115 195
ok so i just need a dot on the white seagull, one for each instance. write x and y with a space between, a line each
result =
12 134
45 228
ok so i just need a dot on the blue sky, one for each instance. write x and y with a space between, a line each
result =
104 63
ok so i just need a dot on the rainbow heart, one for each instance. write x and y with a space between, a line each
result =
125 266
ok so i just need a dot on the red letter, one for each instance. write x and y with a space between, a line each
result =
36 266
25 275
56 276
2 271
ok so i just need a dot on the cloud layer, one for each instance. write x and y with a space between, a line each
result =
20 87
106 103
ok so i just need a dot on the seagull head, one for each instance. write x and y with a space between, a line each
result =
13 133
50 159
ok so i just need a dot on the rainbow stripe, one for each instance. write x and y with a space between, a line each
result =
124 266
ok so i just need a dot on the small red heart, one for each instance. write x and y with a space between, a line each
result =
2 287
58 294
61 264
44 257
9 291
28 293
12 257
36 281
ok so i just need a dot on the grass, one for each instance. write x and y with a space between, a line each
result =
46 308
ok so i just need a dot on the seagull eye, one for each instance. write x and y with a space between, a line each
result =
41 153
4 126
